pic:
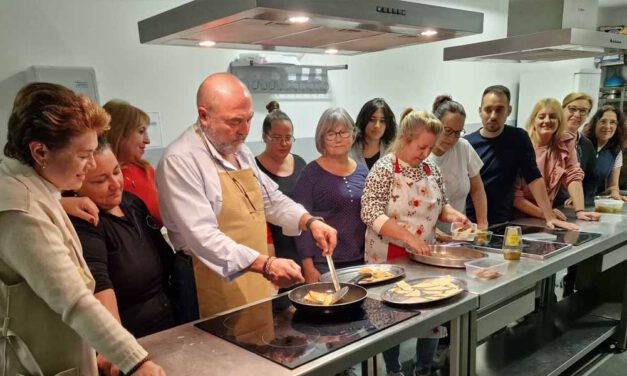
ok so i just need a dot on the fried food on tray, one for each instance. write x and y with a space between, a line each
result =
488 274
375 275
427 290
321 298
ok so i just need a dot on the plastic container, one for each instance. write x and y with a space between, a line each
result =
483 237
486 268
606 204
463 233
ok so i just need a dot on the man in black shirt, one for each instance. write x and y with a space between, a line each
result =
507 153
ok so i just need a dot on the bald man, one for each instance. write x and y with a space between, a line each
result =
215 203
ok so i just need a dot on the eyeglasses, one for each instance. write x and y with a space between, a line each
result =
279 139
330 136
580 110
449 132
243 191
608 123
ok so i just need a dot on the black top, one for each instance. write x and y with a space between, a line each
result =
129 255
371 161
586 155
284 246
505 158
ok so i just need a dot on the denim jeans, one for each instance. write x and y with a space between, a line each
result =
425 350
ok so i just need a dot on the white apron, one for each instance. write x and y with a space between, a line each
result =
416 206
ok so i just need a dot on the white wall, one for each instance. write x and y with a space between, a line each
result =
103 34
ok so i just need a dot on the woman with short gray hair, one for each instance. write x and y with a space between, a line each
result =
330 187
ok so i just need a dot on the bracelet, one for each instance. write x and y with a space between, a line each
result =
577 211
138 366
266 267
311 220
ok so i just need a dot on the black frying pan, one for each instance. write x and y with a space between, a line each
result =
352 300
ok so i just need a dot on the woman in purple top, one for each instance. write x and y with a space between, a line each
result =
330 187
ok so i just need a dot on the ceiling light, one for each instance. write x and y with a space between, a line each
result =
331 51
298 19
428 33
207 43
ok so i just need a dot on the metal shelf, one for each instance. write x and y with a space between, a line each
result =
548 343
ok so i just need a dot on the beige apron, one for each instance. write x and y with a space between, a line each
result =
242 219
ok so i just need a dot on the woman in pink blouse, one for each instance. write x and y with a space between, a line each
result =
557 160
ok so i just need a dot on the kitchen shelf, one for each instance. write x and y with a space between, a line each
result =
610 88
285 78
549 342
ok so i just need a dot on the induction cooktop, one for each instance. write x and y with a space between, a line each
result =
553 235
276 331
534 249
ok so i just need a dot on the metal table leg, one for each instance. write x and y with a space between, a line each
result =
460 345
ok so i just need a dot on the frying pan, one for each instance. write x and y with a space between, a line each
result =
353 299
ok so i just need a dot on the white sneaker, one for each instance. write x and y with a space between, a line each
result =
399 373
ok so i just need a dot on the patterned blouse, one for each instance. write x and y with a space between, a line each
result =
378 188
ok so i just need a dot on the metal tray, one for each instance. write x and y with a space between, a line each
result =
447 256
389 296
351 275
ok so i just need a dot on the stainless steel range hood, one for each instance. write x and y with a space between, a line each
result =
347 27
545 30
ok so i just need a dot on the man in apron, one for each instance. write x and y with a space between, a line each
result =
215 203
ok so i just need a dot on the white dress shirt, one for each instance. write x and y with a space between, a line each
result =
190 199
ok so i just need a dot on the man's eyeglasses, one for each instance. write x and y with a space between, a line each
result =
449 132
279 139
580 110
330 136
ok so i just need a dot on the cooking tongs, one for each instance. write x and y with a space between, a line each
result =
339 292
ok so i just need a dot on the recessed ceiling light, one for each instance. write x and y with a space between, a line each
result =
207 43
428 33
298 19
331 51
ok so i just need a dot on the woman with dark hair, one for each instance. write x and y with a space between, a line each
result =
606 130
376 129
53 317
458 161
283 167
126 253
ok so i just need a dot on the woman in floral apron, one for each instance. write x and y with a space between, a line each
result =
402 200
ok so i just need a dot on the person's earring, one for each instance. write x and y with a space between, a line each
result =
43 163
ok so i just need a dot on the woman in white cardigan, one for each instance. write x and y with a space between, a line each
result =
51 317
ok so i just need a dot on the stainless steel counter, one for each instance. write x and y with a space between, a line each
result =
187 350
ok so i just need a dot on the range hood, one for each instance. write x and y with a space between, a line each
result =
545 30
345 27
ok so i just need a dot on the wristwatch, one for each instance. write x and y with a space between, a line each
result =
311 220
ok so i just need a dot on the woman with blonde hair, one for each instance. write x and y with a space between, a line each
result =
402 200
557 160
128 138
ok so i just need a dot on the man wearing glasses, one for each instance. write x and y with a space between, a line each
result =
215 203
507 153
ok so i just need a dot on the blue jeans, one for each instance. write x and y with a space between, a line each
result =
425 350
